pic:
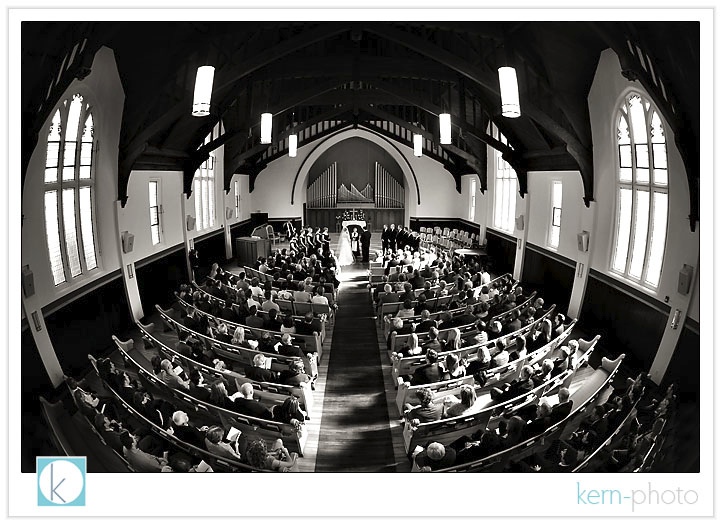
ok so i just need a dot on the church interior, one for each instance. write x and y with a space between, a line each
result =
182 179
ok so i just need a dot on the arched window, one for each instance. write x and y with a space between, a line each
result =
69 197
504 188
642 192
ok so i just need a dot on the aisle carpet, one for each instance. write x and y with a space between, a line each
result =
355 434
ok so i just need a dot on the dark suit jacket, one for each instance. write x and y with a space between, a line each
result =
429 373
190 435
199 392
561 411
251 407
290 350
365 238
261 374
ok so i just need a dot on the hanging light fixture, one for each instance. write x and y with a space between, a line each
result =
418 142
509 89
202 91
445 128
292 145
266 125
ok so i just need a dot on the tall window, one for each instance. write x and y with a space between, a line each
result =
504 188
155 211
642 192
205 187
555 226
237 198
472 199
69 191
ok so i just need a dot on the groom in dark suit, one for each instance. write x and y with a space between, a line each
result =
365 244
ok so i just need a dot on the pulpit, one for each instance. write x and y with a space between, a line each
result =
249 249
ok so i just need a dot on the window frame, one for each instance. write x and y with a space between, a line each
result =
204 186
650 187
159 211
505 188
76 184
472 198
237 198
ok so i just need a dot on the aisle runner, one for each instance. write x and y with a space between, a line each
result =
355 435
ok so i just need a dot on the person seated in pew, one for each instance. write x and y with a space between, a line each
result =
259 372
388 297
318 297
272 323
198 389
420 305
269 304
310 325
426 412
140 461
287 348
295 375
542 421
169 376
512 432
481 445
516 388
183 430
219 395
266 344
453 340
244 403
380 287
514 323
431 372
278 459
433 342
215 444
110 430
478 366
544 373
565 360
221 334
467 317
254 320
397 327
493 330
407 309
454 406
289 412
501 355
454 368
426 322
519 350
563 408
436 456
410 348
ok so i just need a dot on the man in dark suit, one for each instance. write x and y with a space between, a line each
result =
187 433
197 389
309 325
392 237
563 408
245 404
287 348
385 238
365 244
258 371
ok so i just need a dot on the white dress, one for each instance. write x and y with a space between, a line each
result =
344 255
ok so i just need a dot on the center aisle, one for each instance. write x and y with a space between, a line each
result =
355 434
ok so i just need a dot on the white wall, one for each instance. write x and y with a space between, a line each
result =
540 215
272 193
103 90
682 245
135 217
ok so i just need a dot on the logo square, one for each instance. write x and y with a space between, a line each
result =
61 481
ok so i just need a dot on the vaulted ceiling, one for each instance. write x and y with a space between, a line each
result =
325 76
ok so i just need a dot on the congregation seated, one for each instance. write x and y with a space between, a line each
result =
427 411
216 444
431 372
243 403
277 459
436 456
259 372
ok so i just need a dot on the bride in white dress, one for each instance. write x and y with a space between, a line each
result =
343 252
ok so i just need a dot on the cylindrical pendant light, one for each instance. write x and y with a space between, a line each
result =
292 145
202 91
266 124
445 128
418 142
509 89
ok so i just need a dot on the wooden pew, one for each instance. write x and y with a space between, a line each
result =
237 354
404 366
268 393
585 398
251 426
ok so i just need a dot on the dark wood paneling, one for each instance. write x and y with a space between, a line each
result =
501 251
627 324
159 279
376 218
86 325
552 278
685 363
211 249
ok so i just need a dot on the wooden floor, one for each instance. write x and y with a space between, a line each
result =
355 434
